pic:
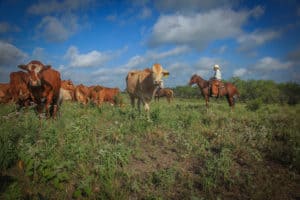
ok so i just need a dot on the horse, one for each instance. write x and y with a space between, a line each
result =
229 90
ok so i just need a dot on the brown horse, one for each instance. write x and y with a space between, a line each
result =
229 90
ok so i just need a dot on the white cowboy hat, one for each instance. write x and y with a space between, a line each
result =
216 67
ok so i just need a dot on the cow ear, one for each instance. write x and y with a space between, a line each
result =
23 67
47 67
166 73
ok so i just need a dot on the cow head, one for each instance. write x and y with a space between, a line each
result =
158 73
34 68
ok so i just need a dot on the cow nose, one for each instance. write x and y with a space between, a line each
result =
157 82
35 83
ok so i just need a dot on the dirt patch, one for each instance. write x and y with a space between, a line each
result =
152 155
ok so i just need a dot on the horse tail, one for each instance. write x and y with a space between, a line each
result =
237 93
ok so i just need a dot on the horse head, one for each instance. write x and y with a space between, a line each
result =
194 79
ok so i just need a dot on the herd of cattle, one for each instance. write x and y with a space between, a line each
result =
42 86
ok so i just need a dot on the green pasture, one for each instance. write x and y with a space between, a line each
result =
184 152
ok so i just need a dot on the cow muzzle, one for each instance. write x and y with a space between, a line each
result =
158 83
35 83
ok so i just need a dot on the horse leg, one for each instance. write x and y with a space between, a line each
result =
206 101
230 102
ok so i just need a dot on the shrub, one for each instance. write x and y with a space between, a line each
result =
253 105
8 152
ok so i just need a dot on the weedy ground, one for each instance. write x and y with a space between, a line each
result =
184 152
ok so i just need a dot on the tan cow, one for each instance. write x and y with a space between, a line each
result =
82 94
164 92
142 85
67 90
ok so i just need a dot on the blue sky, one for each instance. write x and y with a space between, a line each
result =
98 42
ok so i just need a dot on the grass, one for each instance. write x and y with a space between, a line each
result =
184 152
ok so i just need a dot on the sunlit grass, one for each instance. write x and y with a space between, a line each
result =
185 151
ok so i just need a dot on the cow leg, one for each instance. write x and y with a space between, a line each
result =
147 107
132 101
47 104
39 109
54 113
139 104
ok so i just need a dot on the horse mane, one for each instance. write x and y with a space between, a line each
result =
201 80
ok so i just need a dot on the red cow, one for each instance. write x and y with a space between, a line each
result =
5 96
103 94
19 88
44 84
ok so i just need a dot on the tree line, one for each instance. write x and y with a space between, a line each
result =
264 91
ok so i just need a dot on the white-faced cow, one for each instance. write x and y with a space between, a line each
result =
142 84
44 85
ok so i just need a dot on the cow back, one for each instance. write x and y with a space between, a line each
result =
82 93
139 82
5 95
19 86
51 78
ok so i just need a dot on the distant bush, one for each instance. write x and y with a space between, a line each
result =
253 105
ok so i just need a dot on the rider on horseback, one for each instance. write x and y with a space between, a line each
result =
215 81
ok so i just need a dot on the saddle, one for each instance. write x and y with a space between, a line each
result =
216 86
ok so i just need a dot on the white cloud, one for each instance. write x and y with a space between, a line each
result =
270 64
54 6
135 61
197 30
204 66
10 55
192 5
145 13
6 27
57 30
256 38
91 59
151 55
38 53
257 11
240 72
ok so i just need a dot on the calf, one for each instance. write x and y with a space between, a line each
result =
164 92
44 85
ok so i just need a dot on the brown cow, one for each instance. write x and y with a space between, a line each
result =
5 96
143 85
101 94
82 94
164 92
67 90
19 88
44 85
